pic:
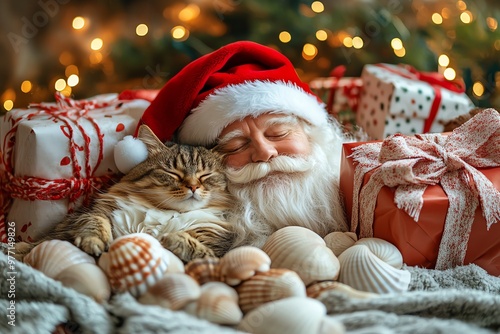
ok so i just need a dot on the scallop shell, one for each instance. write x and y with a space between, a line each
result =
53 256
269 286
172 291
86 278
317 289
242 263
134 263
384 250
303 251
218 303
294 315
204 270
361 269
340 241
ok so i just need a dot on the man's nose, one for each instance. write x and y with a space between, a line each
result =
263 150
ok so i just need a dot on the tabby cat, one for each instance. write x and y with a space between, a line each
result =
178 194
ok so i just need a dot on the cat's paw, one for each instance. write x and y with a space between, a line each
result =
93 245
185 247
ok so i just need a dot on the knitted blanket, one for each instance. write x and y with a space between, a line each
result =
463 300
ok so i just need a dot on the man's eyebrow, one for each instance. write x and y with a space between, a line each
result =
291 120
228 136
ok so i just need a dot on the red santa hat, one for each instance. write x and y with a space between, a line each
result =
238 80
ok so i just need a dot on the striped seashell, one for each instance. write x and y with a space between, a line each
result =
269 286
315 290
361 269
294 315
303 251
340 241
88 279
134 263
172 291
53 256
204 270
218 303
242 263
384 250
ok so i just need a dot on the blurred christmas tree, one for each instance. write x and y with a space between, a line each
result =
93 47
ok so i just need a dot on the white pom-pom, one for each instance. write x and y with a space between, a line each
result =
129 152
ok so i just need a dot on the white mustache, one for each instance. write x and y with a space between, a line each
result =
256 171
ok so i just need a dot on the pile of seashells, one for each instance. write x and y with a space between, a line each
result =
268 290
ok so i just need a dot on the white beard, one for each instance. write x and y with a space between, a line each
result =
308 197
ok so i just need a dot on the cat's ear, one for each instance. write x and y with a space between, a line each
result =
149 138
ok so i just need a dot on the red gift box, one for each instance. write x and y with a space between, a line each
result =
435 197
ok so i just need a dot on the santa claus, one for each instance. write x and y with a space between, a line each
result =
282 149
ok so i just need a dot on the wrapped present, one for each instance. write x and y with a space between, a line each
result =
434 196
341 94
54 156
400 99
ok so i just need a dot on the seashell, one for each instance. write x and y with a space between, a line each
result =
363 270
175 264
294 315
242 263
340 241
86 278
53 256
303 251
204 270
134 263
384 250
218 303
315 290
269 286
172 291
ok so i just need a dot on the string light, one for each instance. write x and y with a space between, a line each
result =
73 80
179 33
357 42
461 5
347 41
396 43
400 52
437 18
141 29
450 74
309 51
466 17
96 44
492 23
478 89
26 86
8 105
60 84
321 35
71 69
189 13
443 60
78 23
317 7
95 58
285 37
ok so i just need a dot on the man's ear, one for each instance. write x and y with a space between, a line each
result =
147 136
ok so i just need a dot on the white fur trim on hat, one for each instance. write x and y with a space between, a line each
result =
235 102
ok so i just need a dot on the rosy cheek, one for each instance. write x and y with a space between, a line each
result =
236 161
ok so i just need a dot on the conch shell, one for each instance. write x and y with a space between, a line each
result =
242 263
294 315
64 262
303 251
269 286
218 303
135 262
363 270
172 291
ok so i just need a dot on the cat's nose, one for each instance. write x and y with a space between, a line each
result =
193 188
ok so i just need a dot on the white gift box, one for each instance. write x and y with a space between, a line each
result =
397 99
56 155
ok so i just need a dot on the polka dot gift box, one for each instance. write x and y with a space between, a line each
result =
54 156
399 99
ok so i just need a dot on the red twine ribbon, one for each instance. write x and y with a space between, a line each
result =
69 112
411 163
436 80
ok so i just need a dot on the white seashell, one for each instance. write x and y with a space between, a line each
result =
218 303
340 241
269 286
204 270
317 289
134 263
53 256
86 278
303 251
172 291
295 315
384 250
242 263
363 270
175 265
